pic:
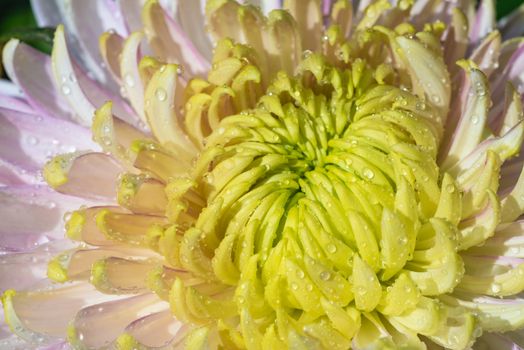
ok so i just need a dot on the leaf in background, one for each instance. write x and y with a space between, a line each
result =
39 38
505 7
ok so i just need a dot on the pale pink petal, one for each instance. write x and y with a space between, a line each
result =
157 330
7 88
131 10
28 140
12 175
33 215
169 41
16 104
511 69
192 21
485 21
486 54
28 312
89 175
22 271
472 119
31 71
85 21
82 93
99 325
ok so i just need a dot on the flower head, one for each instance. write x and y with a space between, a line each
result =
321 176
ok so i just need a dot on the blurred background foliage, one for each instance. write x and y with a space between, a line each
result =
16 20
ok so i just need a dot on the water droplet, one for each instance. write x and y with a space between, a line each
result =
368 173
475 119
32 140
306 54
163 68
496 288
128 79
325 275
66 90
309 287
436 99
294 286
402 240
160 94
331 248
179 70
450 188
300 274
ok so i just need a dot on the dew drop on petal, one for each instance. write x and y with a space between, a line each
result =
66 90
331 248
128 79
32 140
325 275
160 94
496 288
368 173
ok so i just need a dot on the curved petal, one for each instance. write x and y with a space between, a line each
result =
192 20
16 104
46 209
157 330
83 94
85 22
31 71
27 313
29 140
169 41
484 23
99 325
22 271
86 175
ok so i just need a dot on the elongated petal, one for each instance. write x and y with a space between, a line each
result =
85 22
30 140
27 312
169 41
80 91
88 175
45 207
31 71
101 324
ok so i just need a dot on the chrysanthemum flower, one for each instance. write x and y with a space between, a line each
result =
325 175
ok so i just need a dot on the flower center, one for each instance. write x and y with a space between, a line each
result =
314 200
